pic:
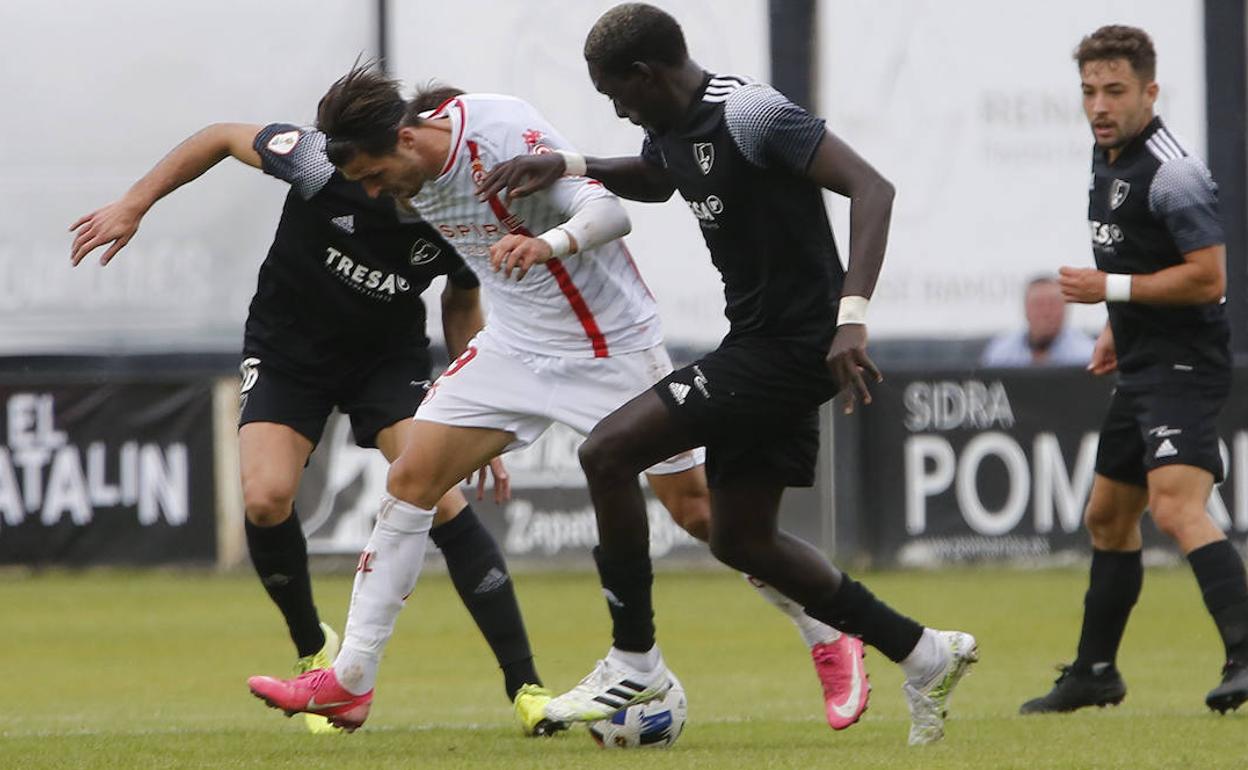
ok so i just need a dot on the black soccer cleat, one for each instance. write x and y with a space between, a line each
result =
1233 691
1074 689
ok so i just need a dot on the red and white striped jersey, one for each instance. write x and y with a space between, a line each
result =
590 304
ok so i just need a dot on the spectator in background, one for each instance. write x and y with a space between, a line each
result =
1047 340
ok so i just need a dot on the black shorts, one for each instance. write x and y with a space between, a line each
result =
754 404
1165 425
375 392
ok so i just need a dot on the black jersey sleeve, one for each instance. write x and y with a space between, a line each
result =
295 155
651 152
462 277
771 131
1184 195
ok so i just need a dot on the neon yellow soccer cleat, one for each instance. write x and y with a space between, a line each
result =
530 708
322 658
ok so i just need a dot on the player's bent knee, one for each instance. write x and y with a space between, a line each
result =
1174 517
412 485
1108 528
736 554
266 506
695 520
601 460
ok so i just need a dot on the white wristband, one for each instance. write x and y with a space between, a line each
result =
575 163
559 241
853 310
1118 287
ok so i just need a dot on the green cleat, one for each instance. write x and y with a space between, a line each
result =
322 658
530 708
929 703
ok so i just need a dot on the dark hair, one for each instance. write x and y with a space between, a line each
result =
431 96
1116 41
361 112
635 32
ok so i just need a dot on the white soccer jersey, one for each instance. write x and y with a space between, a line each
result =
589 304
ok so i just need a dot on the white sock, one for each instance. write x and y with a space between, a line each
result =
386 574
926 660
638 661
813 632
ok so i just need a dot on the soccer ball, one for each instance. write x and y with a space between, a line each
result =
656 724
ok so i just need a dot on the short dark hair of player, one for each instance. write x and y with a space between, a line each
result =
362 112
634 32
1117 41
431 96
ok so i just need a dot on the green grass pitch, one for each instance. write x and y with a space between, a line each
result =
147 670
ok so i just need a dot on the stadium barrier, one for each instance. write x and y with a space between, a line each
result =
944 467
951 467
113 472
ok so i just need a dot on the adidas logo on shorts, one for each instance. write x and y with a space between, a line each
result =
1166 449
680 391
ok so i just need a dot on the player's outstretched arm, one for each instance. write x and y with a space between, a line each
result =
836 167
628 177
117 222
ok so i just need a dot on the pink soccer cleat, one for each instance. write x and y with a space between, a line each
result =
316 692
846 687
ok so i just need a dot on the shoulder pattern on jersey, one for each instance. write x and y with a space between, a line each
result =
295 155
768 128
1164 146
1181 183
721 86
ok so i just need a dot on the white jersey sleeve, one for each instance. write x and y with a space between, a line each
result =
593 303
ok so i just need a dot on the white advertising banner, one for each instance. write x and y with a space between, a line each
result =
105 90
973 110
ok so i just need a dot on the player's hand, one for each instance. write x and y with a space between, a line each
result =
522 175
518 253
848 361
502 481
1084 285
1104 353
116 223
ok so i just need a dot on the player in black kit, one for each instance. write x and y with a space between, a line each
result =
751 166
337 321
1161 270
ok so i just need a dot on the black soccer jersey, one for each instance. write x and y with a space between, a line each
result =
344 274
739 159
1147 209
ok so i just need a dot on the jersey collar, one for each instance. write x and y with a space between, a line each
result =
1132 147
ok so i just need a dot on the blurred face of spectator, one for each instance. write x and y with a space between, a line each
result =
1046 312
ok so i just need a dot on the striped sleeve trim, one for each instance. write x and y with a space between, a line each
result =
1164 146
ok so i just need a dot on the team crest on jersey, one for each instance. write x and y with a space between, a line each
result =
704 154
283 143
1118 192
423 252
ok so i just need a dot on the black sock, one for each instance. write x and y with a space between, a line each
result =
1113 586
854 610
480 576
627 587
280 556
1220 573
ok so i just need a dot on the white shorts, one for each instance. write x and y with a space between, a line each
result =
493 386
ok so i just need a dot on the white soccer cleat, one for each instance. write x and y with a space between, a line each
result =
929 703
610 687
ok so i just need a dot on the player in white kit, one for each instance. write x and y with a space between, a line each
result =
572 333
